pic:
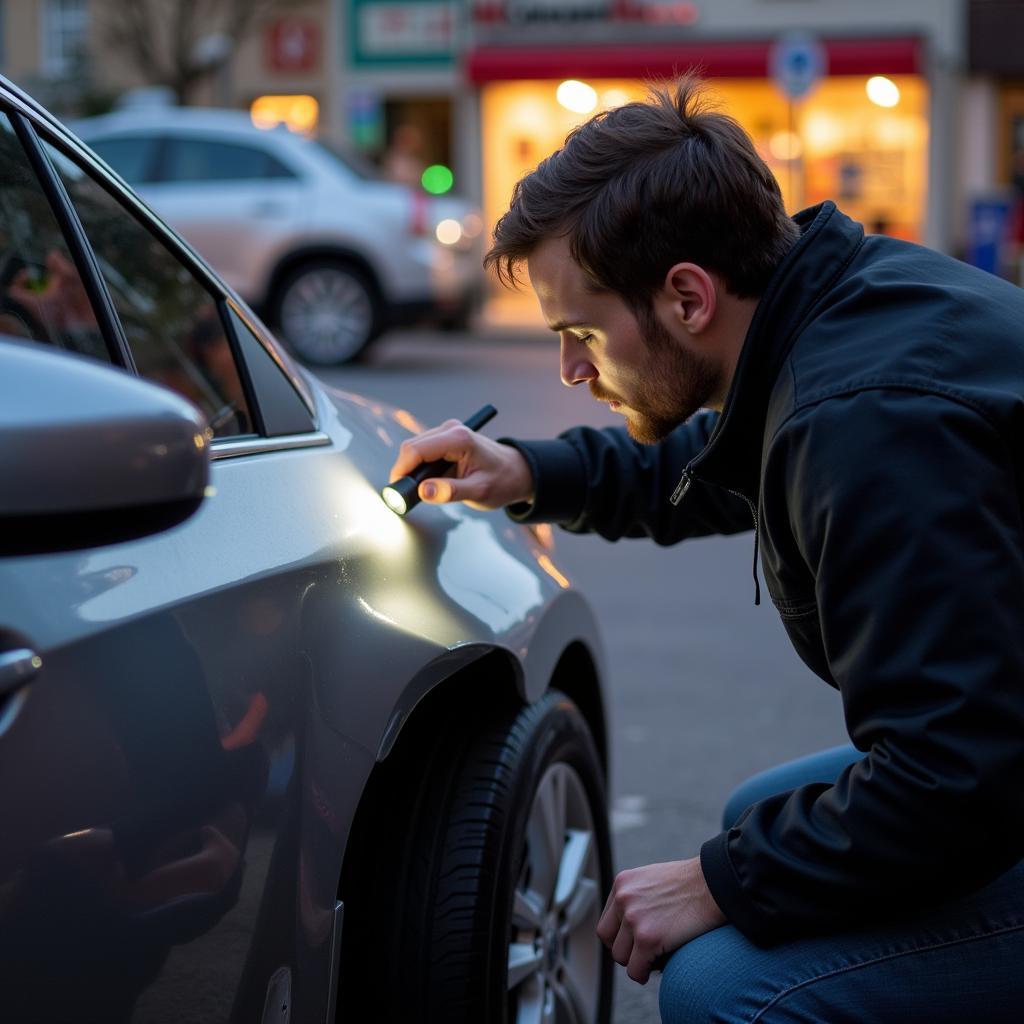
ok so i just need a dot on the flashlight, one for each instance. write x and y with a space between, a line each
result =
403 495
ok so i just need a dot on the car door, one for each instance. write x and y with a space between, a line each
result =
233 200
155 864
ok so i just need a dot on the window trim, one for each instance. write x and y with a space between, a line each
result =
232 448
149 222
74 235
43 126
58 136
300 386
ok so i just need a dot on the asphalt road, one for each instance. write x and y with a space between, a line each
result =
703 687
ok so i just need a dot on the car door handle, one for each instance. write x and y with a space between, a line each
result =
17 667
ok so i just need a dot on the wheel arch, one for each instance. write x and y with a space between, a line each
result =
459 702
464 701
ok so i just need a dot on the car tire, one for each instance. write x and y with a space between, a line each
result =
328 311
486 897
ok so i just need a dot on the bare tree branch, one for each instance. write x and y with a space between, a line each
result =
161 42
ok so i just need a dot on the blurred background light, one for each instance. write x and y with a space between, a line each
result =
882 91
437 179
578 97
785 146
448 231
299 113
614 98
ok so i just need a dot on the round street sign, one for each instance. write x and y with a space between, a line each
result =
797 61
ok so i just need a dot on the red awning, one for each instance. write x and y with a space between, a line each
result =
903 56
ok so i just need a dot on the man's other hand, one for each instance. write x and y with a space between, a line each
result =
488 475
653 910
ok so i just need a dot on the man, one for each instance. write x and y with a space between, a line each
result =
864 415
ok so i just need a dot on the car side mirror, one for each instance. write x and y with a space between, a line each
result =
90 454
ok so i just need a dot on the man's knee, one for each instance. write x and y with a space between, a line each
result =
706 980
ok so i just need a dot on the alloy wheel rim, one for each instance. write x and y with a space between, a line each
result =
327 315
554 956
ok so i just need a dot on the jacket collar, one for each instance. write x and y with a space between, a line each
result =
829 241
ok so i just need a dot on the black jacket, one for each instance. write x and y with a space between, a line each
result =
874 436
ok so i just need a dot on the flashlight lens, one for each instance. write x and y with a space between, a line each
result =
394 501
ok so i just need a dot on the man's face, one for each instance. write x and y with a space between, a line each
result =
643 371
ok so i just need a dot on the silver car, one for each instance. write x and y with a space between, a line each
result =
327 252
268 752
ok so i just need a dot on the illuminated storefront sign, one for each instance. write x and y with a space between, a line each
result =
402 31
547 12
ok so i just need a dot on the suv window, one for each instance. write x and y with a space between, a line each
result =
172 322
133 158
204 160
42 297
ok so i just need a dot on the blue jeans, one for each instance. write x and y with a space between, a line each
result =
959 963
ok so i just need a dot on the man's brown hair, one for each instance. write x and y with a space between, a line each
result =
646 185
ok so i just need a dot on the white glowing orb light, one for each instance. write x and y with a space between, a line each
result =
578 97
448 231
882 91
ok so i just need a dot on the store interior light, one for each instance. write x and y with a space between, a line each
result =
437 179
882 91
578 97
785 146
614 98
299 113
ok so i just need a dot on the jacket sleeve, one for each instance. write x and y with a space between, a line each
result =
602 481
906 513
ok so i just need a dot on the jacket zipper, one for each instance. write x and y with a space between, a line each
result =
686 481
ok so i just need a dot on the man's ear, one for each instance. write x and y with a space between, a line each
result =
693 296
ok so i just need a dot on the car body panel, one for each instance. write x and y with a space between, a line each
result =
356 615
182 772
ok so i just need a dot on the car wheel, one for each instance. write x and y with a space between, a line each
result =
327 311
490 912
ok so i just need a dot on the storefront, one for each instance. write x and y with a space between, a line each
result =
398 86
860 137
861 134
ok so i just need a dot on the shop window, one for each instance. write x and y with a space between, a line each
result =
837 143
65 31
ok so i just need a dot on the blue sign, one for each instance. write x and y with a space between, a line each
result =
987 234
797 61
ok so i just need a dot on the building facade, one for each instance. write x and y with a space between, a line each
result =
905 111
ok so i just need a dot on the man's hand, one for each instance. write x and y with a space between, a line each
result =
489 475
654 910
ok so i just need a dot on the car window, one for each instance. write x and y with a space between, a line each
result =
352 162
133 158
172 322
205 160
42 297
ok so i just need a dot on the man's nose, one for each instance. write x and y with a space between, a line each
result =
576 366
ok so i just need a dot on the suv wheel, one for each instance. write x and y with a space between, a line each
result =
484 899
328 312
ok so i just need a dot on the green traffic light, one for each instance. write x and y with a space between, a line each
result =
437 179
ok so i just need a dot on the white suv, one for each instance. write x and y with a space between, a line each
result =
327 252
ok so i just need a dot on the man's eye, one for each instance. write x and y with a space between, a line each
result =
586 339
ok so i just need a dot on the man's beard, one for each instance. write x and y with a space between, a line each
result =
667 390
